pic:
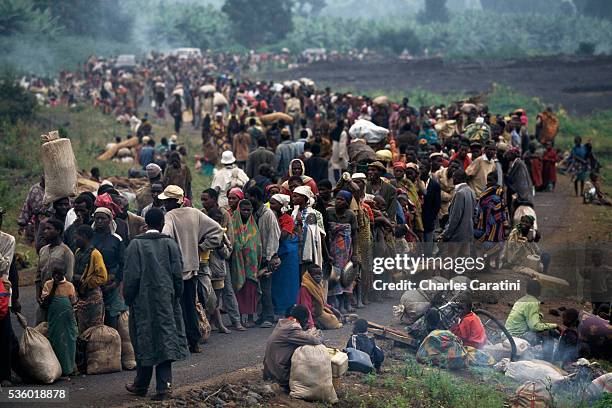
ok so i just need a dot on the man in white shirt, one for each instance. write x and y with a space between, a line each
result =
228 177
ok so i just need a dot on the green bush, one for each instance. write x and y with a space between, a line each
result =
16 103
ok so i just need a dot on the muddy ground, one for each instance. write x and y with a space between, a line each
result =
579 84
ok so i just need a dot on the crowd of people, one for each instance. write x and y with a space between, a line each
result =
299 206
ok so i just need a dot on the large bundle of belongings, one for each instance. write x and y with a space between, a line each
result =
99 350
371 133
311 375
36 355
59 167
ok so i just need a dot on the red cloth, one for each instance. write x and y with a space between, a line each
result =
304 298
535 168
466 162
549 169
247 298
471 331
286 223
106 201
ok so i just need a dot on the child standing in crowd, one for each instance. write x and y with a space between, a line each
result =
58 297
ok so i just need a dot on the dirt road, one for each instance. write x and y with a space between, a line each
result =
580 85
562 219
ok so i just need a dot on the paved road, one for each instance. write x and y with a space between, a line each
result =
222 354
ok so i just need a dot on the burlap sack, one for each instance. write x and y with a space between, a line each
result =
36 354
60 170
531 394
311 375
103 351
43 328
128 360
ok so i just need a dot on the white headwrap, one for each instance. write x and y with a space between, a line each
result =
307 192
283 199
113 224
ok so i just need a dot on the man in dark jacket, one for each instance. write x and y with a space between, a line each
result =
518 181
258 157
431 206
153 285
459 231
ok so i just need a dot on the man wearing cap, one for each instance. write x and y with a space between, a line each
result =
377 186
193 231
479 169
143 195
228 177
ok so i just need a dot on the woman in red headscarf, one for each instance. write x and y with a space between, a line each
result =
233 198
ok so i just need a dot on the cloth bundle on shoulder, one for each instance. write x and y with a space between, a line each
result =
102 349
128 360
311 375
37 356
59 167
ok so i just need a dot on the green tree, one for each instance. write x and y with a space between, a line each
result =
256 23
191 25
16 103
101 19
526 6
22 17
595 8
435 10
310 8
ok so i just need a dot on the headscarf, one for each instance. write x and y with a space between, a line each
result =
412 166
109 213
307 192
346 195
283 199
247 250
399 165
237 192
301 164
106 201
268 187
153 170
